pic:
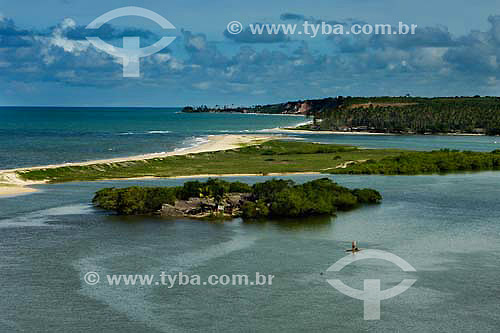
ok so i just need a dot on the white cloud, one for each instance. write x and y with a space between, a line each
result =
59 40
202 85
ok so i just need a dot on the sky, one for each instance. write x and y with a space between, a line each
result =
46 60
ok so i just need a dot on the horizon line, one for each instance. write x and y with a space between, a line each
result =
234 105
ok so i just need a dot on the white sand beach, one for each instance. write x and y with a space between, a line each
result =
11 184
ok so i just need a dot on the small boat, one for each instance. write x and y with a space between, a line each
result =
354 248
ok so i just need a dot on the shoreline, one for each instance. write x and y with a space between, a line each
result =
208 175
254 113
12 185
8 191
299 131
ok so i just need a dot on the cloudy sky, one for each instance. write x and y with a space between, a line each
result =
45 58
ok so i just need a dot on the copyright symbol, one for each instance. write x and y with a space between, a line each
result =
91 278
234 27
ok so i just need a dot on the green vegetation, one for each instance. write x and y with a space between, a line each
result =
405 115
282 198
279 157
418 115
135 200
413 163
296 107
274 198
147 200
266 158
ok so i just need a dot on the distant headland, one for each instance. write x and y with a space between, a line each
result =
305 107
395 115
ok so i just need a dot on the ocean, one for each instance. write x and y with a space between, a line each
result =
446 227
42 136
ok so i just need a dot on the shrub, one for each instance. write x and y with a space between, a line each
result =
367 195
276 197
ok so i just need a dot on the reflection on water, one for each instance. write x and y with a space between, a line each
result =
316 223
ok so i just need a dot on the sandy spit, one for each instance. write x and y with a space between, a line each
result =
11 184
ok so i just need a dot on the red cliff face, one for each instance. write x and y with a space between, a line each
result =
296 107
304 108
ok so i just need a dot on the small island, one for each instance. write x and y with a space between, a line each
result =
217 198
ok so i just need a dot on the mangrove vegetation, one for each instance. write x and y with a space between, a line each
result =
216 197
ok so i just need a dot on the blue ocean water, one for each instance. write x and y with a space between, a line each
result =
41 136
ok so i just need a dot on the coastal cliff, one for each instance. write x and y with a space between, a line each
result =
398 115
301 107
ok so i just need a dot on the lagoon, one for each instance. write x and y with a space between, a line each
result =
447 227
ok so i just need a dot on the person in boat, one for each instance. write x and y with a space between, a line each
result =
354 246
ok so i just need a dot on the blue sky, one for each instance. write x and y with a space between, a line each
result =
46 60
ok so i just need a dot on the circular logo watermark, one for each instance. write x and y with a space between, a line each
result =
91 278
371 295
234 27
131 51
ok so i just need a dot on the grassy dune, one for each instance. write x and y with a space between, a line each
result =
270 157
279 157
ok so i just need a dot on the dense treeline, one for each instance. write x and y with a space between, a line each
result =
442 161
415 115
276 198
146 200
283 198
